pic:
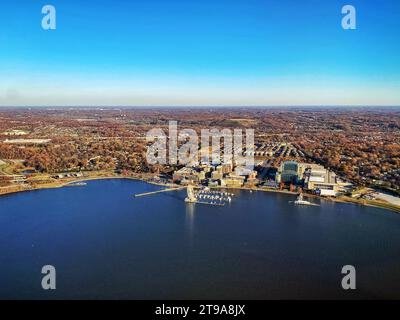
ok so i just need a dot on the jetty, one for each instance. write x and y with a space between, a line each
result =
158 191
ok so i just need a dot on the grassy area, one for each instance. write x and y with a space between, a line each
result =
7 169
373 203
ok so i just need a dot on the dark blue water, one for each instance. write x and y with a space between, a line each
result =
105 243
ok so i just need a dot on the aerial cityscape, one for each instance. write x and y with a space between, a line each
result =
346 154
185 150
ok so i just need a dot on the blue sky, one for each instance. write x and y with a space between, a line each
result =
208 52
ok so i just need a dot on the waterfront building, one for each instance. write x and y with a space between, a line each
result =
243 171
233 180
68 175
288 172
185 173
315 177
321 181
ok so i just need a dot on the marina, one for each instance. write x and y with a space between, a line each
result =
201 196
206 196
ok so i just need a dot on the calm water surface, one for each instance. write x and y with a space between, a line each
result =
105 243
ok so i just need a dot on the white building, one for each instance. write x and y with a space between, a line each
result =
321 180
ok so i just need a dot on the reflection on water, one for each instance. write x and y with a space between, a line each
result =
190 212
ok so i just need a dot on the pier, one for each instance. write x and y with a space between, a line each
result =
158 191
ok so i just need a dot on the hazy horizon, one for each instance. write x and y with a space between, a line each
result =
322 107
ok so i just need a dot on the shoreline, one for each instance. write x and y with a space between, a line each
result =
368 203
61 184
343 199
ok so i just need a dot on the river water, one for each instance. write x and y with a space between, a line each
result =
104 243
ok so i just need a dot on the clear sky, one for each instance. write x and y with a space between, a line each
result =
199 52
